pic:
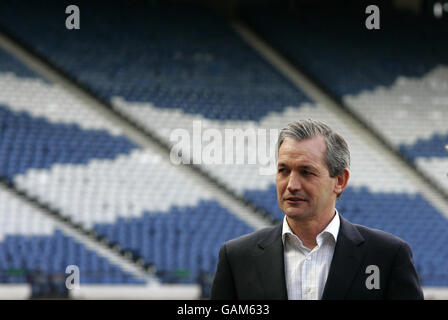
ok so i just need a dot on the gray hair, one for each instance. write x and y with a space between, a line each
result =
337 155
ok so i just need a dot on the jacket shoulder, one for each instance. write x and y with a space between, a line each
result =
380 238
251 240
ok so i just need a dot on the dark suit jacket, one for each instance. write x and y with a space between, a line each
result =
252 267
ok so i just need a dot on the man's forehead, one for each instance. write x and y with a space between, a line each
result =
313 148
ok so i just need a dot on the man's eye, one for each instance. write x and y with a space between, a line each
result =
281 170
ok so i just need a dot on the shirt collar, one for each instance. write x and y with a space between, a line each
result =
332 228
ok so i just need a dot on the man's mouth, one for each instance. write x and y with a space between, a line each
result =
295 200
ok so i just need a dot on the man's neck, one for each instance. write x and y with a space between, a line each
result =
308 229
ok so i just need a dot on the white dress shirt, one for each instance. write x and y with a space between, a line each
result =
306 270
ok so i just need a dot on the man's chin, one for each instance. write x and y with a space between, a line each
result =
295 212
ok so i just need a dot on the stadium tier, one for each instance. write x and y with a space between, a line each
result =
157 69
57 150
32 246
182 244
397 81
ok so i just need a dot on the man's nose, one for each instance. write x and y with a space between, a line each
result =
294 183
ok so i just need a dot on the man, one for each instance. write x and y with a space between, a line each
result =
315 253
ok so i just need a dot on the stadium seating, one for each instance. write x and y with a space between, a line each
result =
32 246
182 243
79 164
399 88
164 73
201 70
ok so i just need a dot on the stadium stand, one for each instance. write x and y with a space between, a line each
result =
163 74
57 150
398 88
32 246
193 76
33 249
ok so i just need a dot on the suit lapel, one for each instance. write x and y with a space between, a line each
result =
347 257
270 265
348 254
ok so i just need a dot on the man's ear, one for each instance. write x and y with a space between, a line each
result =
342 181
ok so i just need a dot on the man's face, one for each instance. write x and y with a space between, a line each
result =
304 186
